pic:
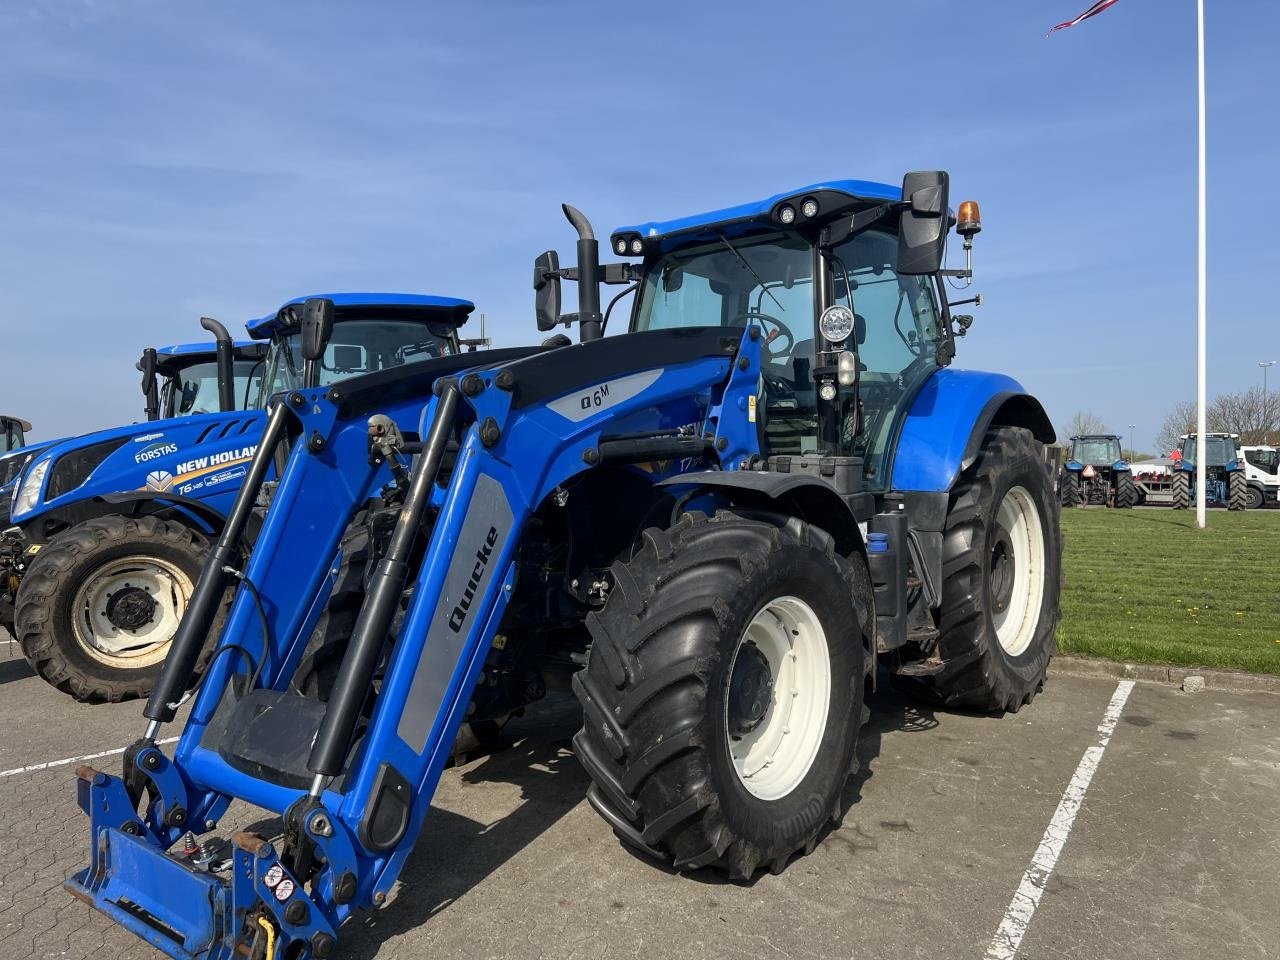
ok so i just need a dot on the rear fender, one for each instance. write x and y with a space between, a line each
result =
949 418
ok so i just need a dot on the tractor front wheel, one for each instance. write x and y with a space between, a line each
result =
1002 572
99 605
723 693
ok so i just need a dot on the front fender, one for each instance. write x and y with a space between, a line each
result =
948 419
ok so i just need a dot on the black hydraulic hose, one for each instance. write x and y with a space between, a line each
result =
355 676
198 619
226 364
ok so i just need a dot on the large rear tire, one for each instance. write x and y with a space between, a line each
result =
1002 573
1126 491
99 605
1237 491
723 693
1069 489
1181 490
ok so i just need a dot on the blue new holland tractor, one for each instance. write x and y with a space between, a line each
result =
109 530
182 379
1096 474
1224 467
717 523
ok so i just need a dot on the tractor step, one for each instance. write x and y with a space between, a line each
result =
921 668
925 638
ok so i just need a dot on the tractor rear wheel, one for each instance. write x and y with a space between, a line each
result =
723 693
99 605
1126 491
1181 490
1237 491
1069 489
1255 498
1002 572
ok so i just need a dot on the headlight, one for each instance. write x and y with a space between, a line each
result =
836 323
28 495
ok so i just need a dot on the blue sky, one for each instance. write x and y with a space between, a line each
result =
164 160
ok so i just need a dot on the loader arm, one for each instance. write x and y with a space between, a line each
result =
353 785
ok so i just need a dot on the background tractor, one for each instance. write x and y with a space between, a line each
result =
1096 474
1225 481
109 530
716 524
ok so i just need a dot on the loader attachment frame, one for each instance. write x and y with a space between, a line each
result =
353 777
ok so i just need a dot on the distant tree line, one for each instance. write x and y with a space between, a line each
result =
1255 417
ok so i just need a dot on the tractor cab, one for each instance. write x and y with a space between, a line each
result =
366 332
188 378
844 279
1102 450
13 433
1221 452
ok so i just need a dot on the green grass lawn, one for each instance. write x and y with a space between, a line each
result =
1146 585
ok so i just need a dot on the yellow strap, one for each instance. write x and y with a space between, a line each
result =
271 937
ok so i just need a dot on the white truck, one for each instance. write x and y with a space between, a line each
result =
1262 473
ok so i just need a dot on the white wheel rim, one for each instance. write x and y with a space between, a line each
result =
1015 622
104 637
774 756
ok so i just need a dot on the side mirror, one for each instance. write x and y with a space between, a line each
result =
148 367
546 285
317 327
150 388
922 238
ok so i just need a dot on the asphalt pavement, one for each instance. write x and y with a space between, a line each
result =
1171 851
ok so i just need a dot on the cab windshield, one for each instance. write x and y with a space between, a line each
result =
1219 451
10 436
768 280
1096 451
357 347
194 389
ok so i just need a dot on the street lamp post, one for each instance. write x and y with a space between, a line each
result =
1266 424
1133 451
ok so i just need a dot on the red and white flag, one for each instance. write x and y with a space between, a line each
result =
1093 11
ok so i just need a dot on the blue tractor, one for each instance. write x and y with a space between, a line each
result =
1225 480
1096 474
184 380
716 523
180 380
109 530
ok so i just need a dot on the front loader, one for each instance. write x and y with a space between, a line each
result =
109 530
717 524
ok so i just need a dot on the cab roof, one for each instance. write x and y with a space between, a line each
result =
424 306
206 348
26 427
761 209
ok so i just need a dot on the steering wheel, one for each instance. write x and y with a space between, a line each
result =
771 337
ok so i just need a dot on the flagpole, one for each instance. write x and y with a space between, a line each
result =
1201 275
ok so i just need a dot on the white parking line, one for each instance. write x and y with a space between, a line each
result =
62 763
1008 938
